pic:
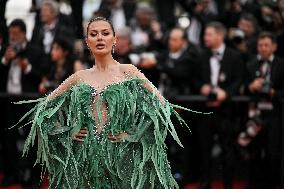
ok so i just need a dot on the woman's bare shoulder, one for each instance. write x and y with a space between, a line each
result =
129 69
82 74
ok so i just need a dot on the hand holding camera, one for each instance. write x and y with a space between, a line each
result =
216 93
17 53
262 86
256 85
23 63
9 55
221 94
205 90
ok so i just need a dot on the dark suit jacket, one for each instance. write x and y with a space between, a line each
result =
30 81
231 71
63 28
276 79
178 71
128 7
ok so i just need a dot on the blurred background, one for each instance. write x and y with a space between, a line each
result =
223 56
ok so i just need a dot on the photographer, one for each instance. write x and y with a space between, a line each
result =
236 40
218 77
264 80
265 71
20 68
175 63
21 63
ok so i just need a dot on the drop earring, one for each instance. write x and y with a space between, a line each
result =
88 47
113 46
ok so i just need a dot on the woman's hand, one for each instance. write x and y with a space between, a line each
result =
117 137
80 135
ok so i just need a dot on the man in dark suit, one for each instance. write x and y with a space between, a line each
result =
52 24
22 63
218 77
21 69
264 80
221 69
265 67
175 64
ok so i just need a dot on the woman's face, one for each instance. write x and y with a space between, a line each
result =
100 38
57 53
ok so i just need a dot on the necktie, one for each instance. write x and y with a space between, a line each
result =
265 67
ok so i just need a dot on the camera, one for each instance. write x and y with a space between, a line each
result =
212 95
265 90
19 50
239 36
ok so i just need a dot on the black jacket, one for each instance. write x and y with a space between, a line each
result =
31 80
178 72
276 78
231 71
62 28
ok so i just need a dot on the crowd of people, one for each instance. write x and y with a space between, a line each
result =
216 49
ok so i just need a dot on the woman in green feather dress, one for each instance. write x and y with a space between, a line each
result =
104 127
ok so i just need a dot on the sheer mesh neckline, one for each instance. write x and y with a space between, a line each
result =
111 84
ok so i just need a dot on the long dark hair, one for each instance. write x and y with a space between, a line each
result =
68 66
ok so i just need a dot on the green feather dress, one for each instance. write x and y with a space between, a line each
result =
138 162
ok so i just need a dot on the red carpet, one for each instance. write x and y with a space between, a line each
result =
219 185
17 186
216 185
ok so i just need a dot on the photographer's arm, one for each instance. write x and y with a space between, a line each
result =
9 55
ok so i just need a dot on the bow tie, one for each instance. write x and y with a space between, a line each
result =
217 55
262 61
48 28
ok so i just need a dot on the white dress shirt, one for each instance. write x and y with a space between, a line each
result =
118 18
265 68
14 85
215 64
48 36
14 82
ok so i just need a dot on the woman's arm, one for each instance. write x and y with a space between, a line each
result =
133 71
64 86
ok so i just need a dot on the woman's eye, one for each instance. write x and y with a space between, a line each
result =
105 33
93 34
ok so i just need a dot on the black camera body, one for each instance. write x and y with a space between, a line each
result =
212 96
19 50
239 36
265 90
266 87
